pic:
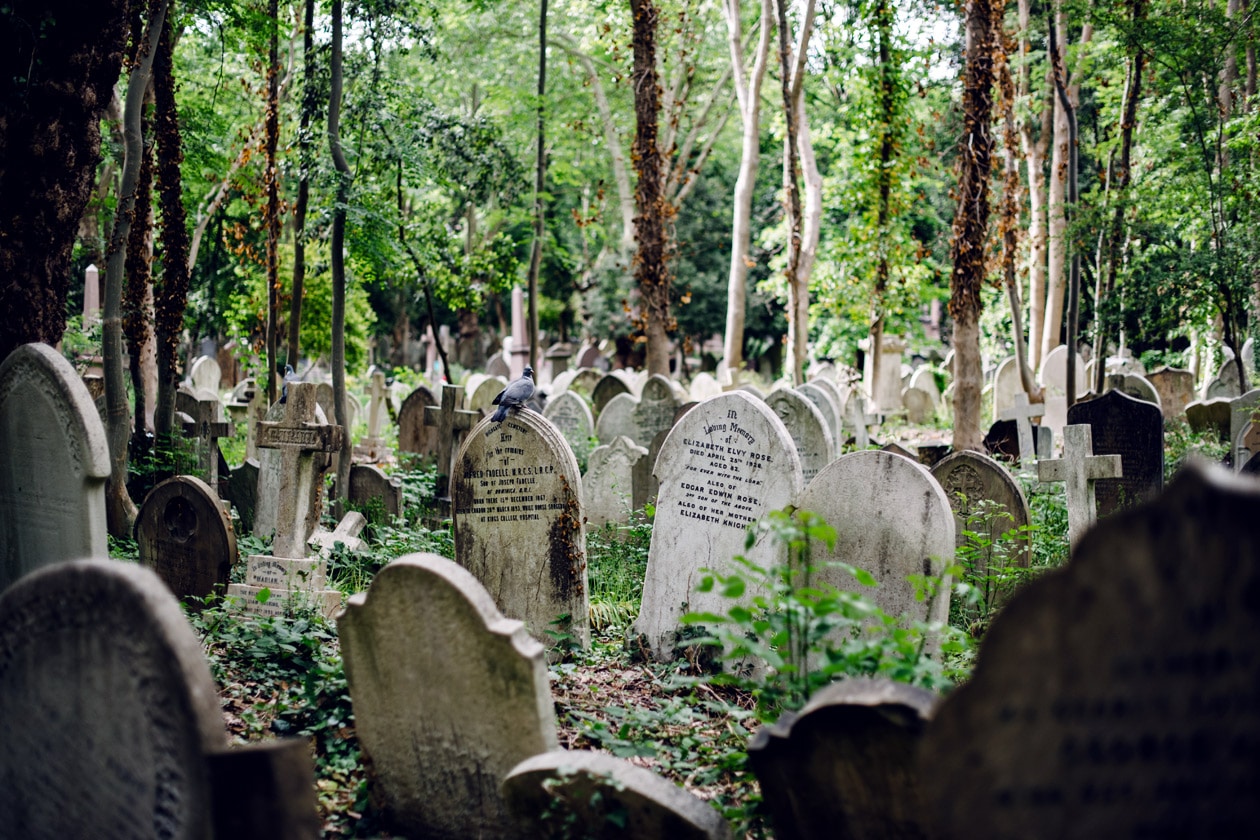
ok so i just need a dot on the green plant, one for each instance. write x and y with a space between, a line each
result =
1182 445
616 558
992 566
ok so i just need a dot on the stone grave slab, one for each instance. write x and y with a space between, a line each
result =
584 382
609 481
56 460
1079 469
892 519
608 387
646 486
450 424
724 465
346 534
1242 411
591 794
108 707
1212 415
886 392
205 424
968 479
265 791
846 764
924 378
267 493
482 399
560 383
918 405
372 446
324 396
186 537
826 402
857 420
569 413
641 418
206 373
1054 380
518 522
1134 430
369 482
703 386
413 434
242 492
437 758
1111 698
807 427
1246 445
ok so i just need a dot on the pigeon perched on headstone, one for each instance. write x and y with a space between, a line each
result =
516 393
289 376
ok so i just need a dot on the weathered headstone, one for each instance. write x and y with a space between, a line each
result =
205 373
482 397
369 482
1054 380
372 446
584 382
265 791
725 464
1212 415
107 707
1111 698
886 392
924 378
185 536
918 405
55 462
1022 412
589 357
242 492
826 401
518 522
646 486
346 534
639 418
846 764
569 413
704 386
892 519
1134 385
1134 430
808 428
969 479
205 425
497 365
609 481
413 434
449 424
1242 411
443 722
1175 388
324 396
857 420
608 387
1079 469
1246 445
592 794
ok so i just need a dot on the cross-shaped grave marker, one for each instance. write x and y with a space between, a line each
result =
451 422
347 533
855 414
1079 468
298 436
206 426
378 398
1022 413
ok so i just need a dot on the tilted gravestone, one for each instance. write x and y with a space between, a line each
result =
639 418
1115 697
807 427
206 373
518 522
918 405
591 794
413 434
725 464
369 483
608 387
608 485
185 536
56 460
892 519
569 413
443 722
1175 388
107 707
845 764
1134 430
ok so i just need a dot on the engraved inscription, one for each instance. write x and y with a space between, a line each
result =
724 475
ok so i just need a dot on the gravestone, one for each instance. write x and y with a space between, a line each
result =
1134 385
924 378
561 383
723 465
242 492
886 392
1134 430
845 765
324 396
482 397
1022 412
205 373
1079 469
897 449
918 405
892 519
443 722
704 386
857 420
591 794
826 403
969 478
641 418
185 536
1175 388
107 707
518 522
372 446
1226 385
56 460
449 423
497 365
646 486
584 382
205 424
267 492
345 534
1242 411
265 791
608 387
1112 697
609 481
1054 380
368 482
1001 442
589 358
807 427
413 434
1246 445
569 413
1210 416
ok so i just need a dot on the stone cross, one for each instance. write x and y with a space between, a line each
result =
450 422
1079 468
207 426
376 406
856 411
347 533
1022 413
298 437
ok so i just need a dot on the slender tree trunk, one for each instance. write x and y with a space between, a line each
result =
137 318
305 163
811 212
748 94
883 21
1035 150
798 299
1058 67
971 222
271 186
120 510
651 269
540 176
338 256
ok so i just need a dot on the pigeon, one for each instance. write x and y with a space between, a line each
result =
516 393
289 376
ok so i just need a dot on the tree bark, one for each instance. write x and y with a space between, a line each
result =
883 20
56 88
975 150
540 176
1073 197
811 211
137 316
271 187
304 183
798 299
338 256
1035 155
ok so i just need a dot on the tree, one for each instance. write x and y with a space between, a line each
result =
338 256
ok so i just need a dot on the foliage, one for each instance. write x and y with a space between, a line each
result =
1183 445
616 560
992 569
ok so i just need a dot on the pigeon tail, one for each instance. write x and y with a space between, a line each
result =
500 414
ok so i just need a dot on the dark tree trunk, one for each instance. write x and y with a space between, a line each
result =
540 175
57 71
271 185
136 323
304 182
887 110
338 256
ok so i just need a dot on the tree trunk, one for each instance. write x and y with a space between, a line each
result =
651 269
971 221
304 183
120 510
883 21
137 318
540 176
50 144
271 186
798 299
1073 198
748 93
1035 155
338 257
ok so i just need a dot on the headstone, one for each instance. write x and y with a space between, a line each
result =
413 434
265 791
107 707
1213 415
372 446
444 721
924 378
55 462
1079 468
496 365
646 486
808 428
932 451
518 522
1226 385
1134 430
1242 411
589 358
557 357
638 418
584 382
918 405
324 396
205 425
1246 445
267 487
1135 385
185 536
846 764
449 424
609 481
886 393
569 413
968 479
1111 698
1054 380
892 519
1022 412
826 404
857 420
897 449
1175 388
608 387
482 397
205 373
561 383
346 534
724 465
591 794
368 482
242 492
